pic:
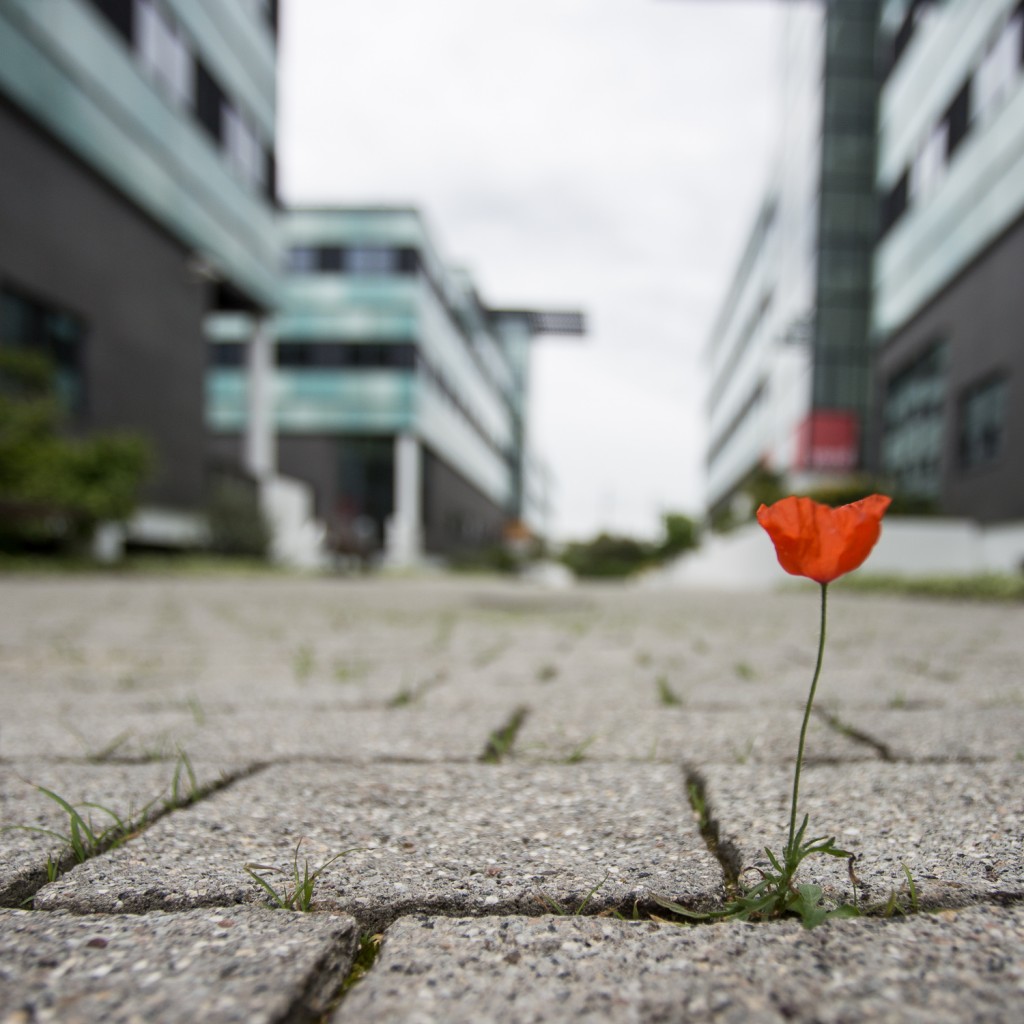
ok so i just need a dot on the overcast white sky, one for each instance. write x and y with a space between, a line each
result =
606 155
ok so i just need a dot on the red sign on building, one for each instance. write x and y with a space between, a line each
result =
829 439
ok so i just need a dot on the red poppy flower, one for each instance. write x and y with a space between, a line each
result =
820 542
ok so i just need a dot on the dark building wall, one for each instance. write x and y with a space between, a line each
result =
979 317
67 239
456 516
350 476
847 213
311 459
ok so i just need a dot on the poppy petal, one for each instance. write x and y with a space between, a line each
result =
819 542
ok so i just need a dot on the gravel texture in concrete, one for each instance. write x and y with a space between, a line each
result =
35 828
618 730
954 967
350 716
456 838
247 965
958 828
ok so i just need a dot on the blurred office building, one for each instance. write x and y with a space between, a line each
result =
873 322
396 392
789 356
136 195
948 305
138 211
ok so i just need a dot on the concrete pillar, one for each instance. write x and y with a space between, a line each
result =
260 447
404 538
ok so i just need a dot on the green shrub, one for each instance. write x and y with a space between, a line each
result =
56 489
608 556
237 523
681 534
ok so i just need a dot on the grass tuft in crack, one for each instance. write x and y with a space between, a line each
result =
84 838
369 949
666 695
297 893
556 908
500 743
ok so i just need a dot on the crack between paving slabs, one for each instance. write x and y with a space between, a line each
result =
834 722
731 864
722 850
22 891
328 978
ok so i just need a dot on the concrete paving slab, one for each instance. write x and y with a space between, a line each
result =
409 729
621 729
248 965
947 968
465 839
958 828
96 730
413 731
129 791
913 733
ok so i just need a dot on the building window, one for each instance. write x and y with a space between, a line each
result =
163 53
345 355
302 259
930 165
912 438
357 259
269 175
957 120
210 102
227 354
982 422
56 334
916 12
894 202
1000 67
365 259
120 15
242 147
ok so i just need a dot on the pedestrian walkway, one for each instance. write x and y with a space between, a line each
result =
509 777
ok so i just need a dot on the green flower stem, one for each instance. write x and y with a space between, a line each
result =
803 728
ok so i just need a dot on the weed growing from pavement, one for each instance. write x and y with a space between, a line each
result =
556 908
500 742
85 838
109 750
297 893
366 956
579 751
666 695
745 671
404 697
303 663
821 544
347 670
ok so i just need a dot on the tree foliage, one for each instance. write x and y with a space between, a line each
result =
610 556
53 487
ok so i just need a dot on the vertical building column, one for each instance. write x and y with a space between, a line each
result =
404 541
260 449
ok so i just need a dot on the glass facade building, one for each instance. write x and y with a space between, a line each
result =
874 322
136 195
396 392
948 306
789 356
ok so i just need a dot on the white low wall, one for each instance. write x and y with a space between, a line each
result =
744 559
297 536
